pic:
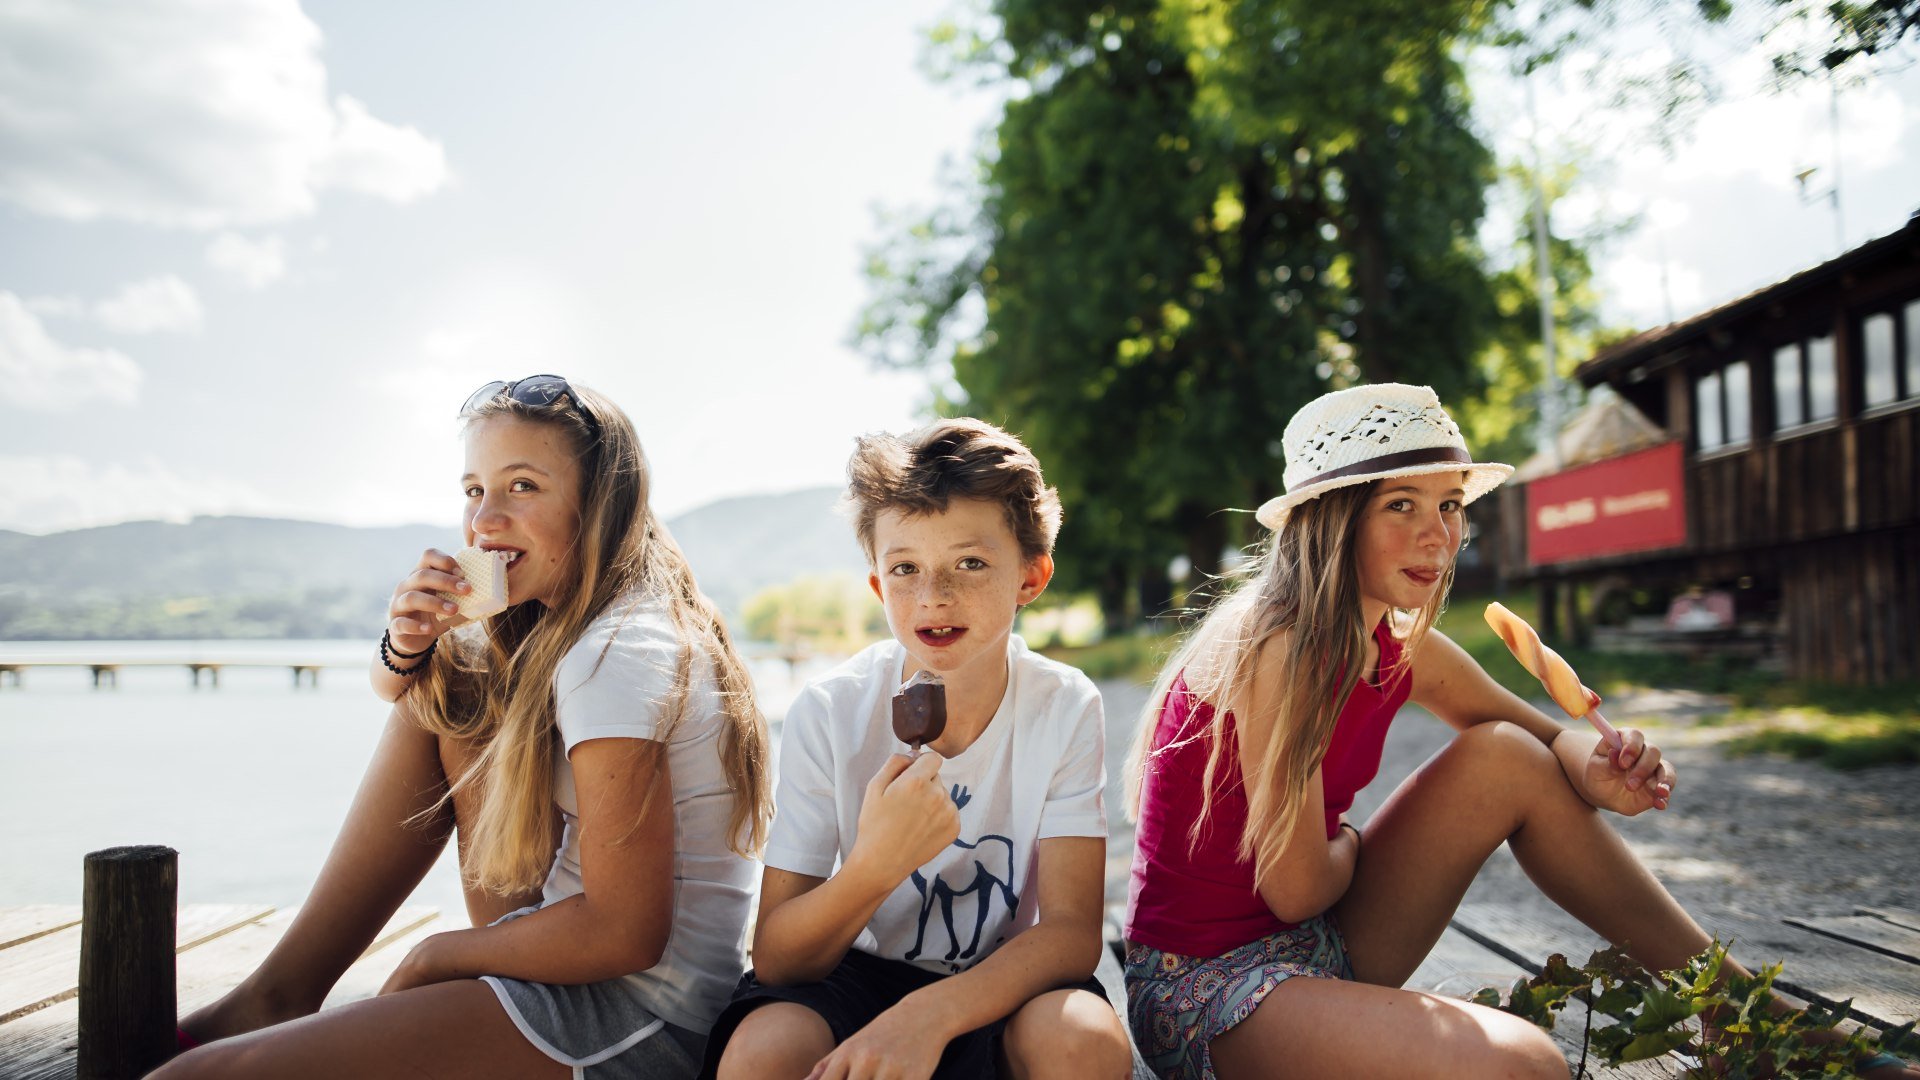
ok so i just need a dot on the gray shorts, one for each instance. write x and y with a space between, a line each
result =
603 1030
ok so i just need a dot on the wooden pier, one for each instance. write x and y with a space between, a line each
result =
106 674
218 945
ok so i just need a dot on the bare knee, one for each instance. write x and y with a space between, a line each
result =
1504 744
1524 1052
777 1040
1067 1033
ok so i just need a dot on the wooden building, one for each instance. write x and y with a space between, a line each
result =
1794 412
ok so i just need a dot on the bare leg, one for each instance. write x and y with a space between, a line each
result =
1310 1027
1069 1035
452 1029
776 1042
376 861
1496 784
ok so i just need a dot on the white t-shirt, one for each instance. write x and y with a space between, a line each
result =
624 695
1037 771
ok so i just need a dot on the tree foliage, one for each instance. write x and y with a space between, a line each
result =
1194 217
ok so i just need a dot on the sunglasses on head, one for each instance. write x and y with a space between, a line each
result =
540 390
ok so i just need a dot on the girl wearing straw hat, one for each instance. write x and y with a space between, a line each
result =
1270 718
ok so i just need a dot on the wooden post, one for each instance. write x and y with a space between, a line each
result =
127 1003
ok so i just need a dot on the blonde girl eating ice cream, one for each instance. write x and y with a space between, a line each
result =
596 749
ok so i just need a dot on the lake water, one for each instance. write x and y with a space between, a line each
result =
248 782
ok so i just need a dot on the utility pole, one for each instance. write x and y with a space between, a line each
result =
1549 435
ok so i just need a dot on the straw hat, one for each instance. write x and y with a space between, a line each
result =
1370 432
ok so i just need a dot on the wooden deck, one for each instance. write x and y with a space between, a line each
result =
219 944
1872 957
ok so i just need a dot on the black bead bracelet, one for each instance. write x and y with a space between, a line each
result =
388 652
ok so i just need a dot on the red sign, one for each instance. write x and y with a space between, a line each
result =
1635 502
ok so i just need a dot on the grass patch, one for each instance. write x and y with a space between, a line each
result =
1845 727
1840 740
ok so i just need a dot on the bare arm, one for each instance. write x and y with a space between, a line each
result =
1312 871
1448 683
807 924
416 618
620 921
1060 949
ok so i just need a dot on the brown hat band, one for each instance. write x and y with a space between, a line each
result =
1433 455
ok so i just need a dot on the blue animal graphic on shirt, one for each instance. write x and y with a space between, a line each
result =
992 876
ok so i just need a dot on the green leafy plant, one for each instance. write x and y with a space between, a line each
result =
1746 1031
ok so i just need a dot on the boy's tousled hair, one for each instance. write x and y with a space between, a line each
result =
923 471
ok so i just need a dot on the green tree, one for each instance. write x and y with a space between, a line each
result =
1194 217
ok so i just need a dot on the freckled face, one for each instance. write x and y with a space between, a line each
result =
522 486
951 583
1409 534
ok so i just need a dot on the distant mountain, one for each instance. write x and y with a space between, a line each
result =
742 545
217 577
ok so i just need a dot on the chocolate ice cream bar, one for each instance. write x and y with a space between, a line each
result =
920 710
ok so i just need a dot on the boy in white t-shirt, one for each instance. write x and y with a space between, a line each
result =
937 916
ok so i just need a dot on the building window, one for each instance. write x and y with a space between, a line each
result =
1788 409
1738 385
1877 339
1823 389
1913 350
1706 412
1806 388
1723 406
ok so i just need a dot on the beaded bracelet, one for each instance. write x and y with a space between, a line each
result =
388 652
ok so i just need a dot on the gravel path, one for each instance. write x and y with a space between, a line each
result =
1746 837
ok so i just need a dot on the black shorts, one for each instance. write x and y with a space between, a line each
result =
861 988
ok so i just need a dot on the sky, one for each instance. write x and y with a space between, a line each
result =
253 255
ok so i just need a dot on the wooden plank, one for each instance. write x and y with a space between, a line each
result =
1885 992
41 1045
1868 932
46 970
1896 916
19 925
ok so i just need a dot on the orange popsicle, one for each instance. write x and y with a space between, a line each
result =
1551 669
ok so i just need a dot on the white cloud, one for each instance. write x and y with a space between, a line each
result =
255 263
372 156
154 306
42 374
1648 292
53 492
188 113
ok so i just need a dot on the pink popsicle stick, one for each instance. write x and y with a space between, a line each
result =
1607 731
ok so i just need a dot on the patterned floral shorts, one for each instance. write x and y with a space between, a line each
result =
1177 1004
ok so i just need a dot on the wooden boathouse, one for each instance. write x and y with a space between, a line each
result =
1789 484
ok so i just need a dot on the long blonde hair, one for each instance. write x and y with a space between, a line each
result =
492 683
1304 583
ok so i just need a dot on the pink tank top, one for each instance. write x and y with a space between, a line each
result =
1204 902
